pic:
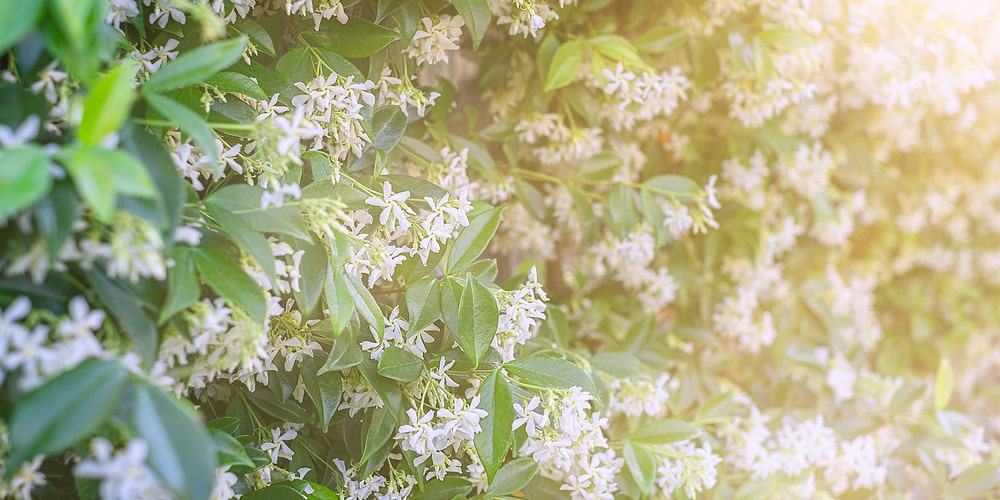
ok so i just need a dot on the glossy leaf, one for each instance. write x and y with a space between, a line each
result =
473 239
358 38
477 16
399 364
565 64
477 320
190 123
494 441
550 371
513 476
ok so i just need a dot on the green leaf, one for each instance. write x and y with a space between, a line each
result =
100 174
344 354
356 39
381 424
387 7
196 65
445 489
423 303
493 442
183 288
676 186
188 121
287 410
180 450
661 39
24 178
565 64
600 167
617 48
126 308
664 432
621 209
231 282
244 201
17 19
246 237
152 153
339 301
64 411
478 316
976 480
513 476
477 16
473 239
704 63
550 371
228 450
531 198
54 215
786 39
399 364
762 64
108 104
389 123
324 390
257 35
365 303
641 464
277 491
944 384
236 83
388 391
296 65
314 268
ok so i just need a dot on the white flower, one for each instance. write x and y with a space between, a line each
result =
23 134
278 448
27 477
123 476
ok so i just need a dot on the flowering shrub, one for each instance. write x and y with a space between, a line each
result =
442 249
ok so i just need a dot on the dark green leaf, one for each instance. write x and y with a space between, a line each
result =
126 308
231 282
324 390
257 35
244 202
344 354
445 489
228 450
356 39
365 303
380 426
478 316
399 364
183 288
339 301
389 124
493 442
236 83
246 237
64 411
423 303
